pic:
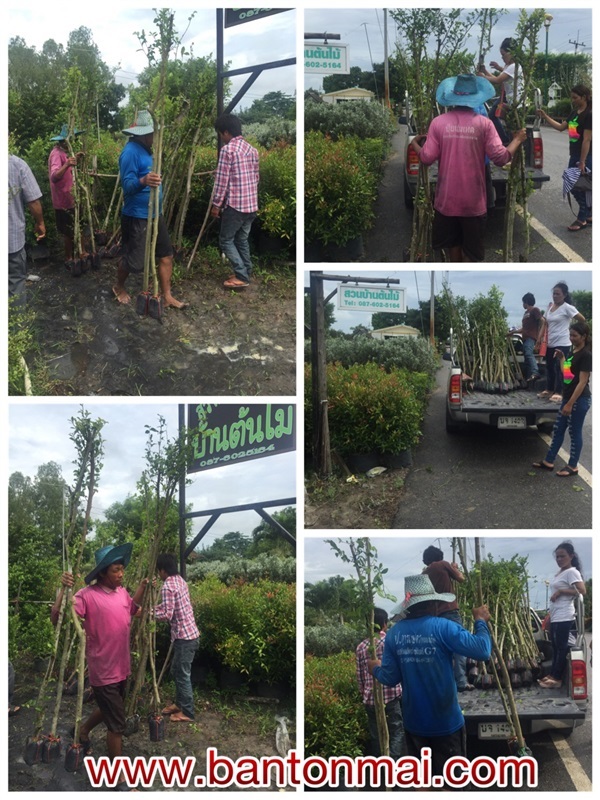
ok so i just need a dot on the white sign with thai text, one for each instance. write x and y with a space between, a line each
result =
330 59
372 298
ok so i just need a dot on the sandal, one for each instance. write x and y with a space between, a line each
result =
577 226
556 398
543 465
588 221
567 472
235 283
545 393
551 683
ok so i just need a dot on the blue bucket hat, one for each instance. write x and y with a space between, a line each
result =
64 134
464 90
108 555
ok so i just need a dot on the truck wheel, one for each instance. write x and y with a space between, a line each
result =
451 425
408 198
545 427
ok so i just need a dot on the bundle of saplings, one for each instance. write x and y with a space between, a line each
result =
483 350
505 592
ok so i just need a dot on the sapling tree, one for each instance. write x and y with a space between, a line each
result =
362 554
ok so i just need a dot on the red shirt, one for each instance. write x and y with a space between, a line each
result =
442 575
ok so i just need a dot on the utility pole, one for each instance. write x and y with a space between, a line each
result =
386 66
432 311
577 43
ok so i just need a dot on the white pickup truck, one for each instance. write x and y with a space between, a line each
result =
539 709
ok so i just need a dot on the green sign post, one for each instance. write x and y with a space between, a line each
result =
237 16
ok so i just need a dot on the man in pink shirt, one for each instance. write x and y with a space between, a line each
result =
106 610
60 172
235 198
459 140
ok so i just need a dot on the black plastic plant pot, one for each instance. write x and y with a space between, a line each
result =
132 725
156 307
114 251
77 268
527 677
33 750
74 757
100 237
141 303
487 681
51 749
102 251
515 680
96 260
156 724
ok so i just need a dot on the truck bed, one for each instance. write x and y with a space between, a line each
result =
515 400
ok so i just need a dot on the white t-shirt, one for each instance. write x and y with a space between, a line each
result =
558 325
509 83
562 610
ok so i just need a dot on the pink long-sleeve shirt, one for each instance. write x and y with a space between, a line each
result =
459 140
61 188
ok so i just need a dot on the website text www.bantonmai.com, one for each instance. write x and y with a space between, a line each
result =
314 772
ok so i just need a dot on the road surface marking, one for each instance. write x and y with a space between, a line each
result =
552 239
574 769
583 472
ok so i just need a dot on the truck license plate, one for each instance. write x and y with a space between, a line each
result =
512 422
494 730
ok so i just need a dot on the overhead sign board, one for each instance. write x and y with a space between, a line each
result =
329 59
227 434
372 298
237 16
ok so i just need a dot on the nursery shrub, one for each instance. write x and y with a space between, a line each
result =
335 722
364 120
264 566
325 640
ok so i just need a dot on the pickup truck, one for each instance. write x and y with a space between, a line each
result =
539 709
534 160
515 409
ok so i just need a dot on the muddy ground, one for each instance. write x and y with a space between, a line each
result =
226 342
235 726
360 503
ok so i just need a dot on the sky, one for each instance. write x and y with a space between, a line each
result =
258 41
362 29
402 555
40 433
513 283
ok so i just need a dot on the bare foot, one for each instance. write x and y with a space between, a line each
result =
121 295
171 302
171 709
180 717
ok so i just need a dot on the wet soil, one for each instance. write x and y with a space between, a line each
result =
226 342
232 725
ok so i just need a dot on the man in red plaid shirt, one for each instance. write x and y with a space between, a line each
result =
176 607
235 197
391 694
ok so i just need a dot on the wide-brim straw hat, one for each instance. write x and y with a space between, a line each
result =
142 126
420 589
108 555
64 134
464 90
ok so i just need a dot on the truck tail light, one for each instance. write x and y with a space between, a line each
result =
454 390
578 680
412 161
538 153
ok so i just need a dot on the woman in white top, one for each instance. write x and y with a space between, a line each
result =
505 81
557 320
565 586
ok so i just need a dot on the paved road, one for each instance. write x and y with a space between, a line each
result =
390 236
481 478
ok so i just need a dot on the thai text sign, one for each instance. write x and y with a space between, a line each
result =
227 434
372 298
331 59
236 16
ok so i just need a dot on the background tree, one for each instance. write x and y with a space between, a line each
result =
231 544
267 539
273 104
583 303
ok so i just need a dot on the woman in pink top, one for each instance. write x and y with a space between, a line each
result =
459 140
106 610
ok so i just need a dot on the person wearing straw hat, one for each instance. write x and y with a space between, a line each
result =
418 653
60 173
106 609
137 178
459 140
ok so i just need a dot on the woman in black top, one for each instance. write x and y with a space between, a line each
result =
579 124
576 400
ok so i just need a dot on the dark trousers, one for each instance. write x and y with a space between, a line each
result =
393 715
559 633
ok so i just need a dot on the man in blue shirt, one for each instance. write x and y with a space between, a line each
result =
137 178
418 654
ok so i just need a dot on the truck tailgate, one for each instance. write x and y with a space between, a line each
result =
519 400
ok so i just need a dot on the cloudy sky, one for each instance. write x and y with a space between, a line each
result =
514 283
40 433
362 29
113 30
402 555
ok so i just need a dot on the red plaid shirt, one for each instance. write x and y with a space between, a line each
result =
236 181
364 677
176 607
